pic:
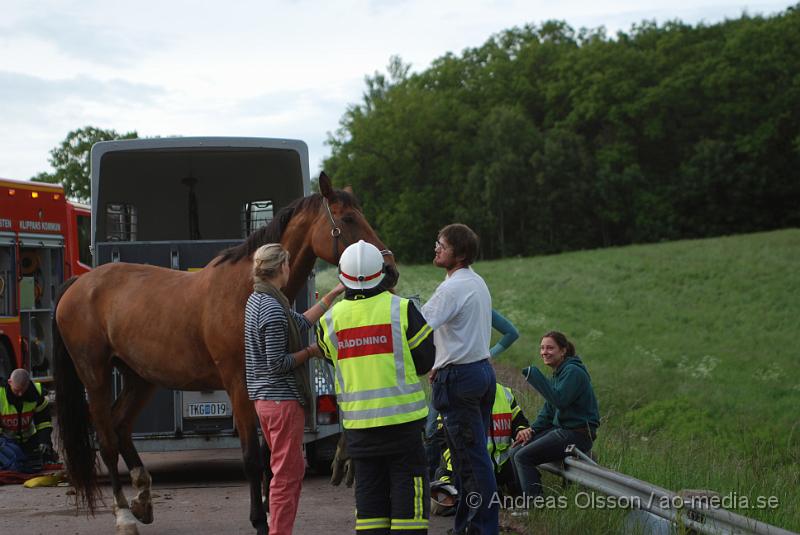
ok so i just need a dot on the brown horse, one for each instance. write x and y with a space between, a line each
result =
178 330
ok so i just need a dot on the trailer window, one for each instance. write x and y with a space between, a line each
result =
84 229
255 214
121 222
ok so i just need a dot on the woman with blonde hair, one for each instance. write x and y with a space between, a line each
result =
276 350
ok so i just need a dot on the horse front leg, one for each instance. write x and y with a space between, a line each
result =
245 417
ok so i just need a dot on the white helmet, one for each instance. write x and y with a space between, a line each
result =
361 266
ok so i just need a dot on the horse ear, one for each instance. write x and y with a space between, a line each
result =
325 186
349 189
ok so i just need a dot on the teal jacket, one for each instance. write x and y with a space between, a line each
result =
570 402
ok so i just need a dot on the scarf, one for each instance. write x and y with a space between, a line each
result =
294 342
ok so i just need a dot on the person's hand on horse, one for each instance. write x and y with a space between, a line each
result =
342 465
390 279
338 289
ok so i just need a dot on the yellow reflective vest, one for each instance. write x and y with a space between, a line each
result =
501 436
20 426
376 381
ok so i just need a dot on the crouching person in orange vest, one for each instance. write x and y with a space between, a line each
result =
380 344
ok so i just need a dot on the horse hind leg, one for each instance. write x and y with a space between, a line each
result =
142 504
134 396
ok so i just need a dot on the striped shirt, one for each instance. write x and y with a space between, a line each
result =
268 363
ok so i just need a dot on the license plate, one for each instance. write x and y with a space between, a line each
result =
206 410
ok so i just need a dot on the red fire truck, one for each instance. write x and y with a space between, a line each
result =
44 239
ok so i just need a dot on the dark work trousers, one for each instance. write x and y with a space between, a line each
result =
507 483
393 493
545 447
464 395
433 449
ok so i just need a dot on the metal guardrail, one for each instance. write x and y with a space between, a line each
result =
581 469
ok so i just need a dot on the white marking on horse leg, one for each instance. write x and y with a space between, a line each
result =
126 522
141 505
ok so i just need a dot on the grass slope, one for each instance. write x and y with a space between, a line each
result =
693 352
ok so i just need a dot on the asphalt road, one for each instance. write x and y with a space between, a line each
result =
193 492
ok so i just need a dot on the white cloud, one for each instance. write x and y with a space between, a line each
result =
251 68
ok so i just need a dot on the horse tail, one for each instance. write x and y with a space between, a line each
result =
73 421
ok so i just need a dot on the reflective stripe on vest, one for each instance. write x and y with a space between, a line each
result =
376 381
20 426
499 445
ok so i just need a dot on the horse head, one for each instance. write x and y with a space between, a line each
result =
341 223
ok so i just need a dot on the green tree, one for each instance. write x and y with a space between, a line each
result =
545 139
71 160
501 182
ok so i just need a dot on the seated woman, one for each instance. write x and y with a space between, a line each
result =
569 416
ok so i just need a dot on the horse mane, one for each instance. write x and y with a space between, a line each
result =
273 232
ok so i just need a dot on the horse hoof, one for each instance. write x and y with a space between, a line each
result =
126 523
142 511
127 529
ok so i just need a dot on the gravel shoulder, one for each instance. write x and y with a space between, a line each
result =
193 492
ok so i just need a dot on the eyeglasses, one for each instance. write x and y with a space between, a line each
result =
439 245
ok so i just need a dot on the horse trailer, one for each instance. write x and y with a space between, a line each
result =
177 203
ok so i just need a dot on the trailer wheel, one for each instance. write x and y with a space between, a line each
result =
6 361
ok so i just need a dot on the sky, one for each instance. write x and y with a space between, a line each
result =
283 69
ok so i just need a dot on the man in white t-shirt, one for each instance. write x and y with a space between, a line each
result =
463 380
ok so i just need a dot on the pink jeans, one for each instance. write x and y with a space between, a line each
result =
282 423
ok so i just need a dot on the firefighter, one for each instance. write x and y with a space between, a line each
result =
507 421
380 344
25 417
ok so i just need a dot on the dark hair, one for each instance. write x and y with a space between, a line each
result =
463 240
561 341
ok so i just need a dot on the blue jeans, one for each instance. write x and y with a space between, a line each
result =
464 395
546 446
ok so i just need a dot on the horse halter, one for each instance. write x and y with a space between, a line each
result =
336 232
